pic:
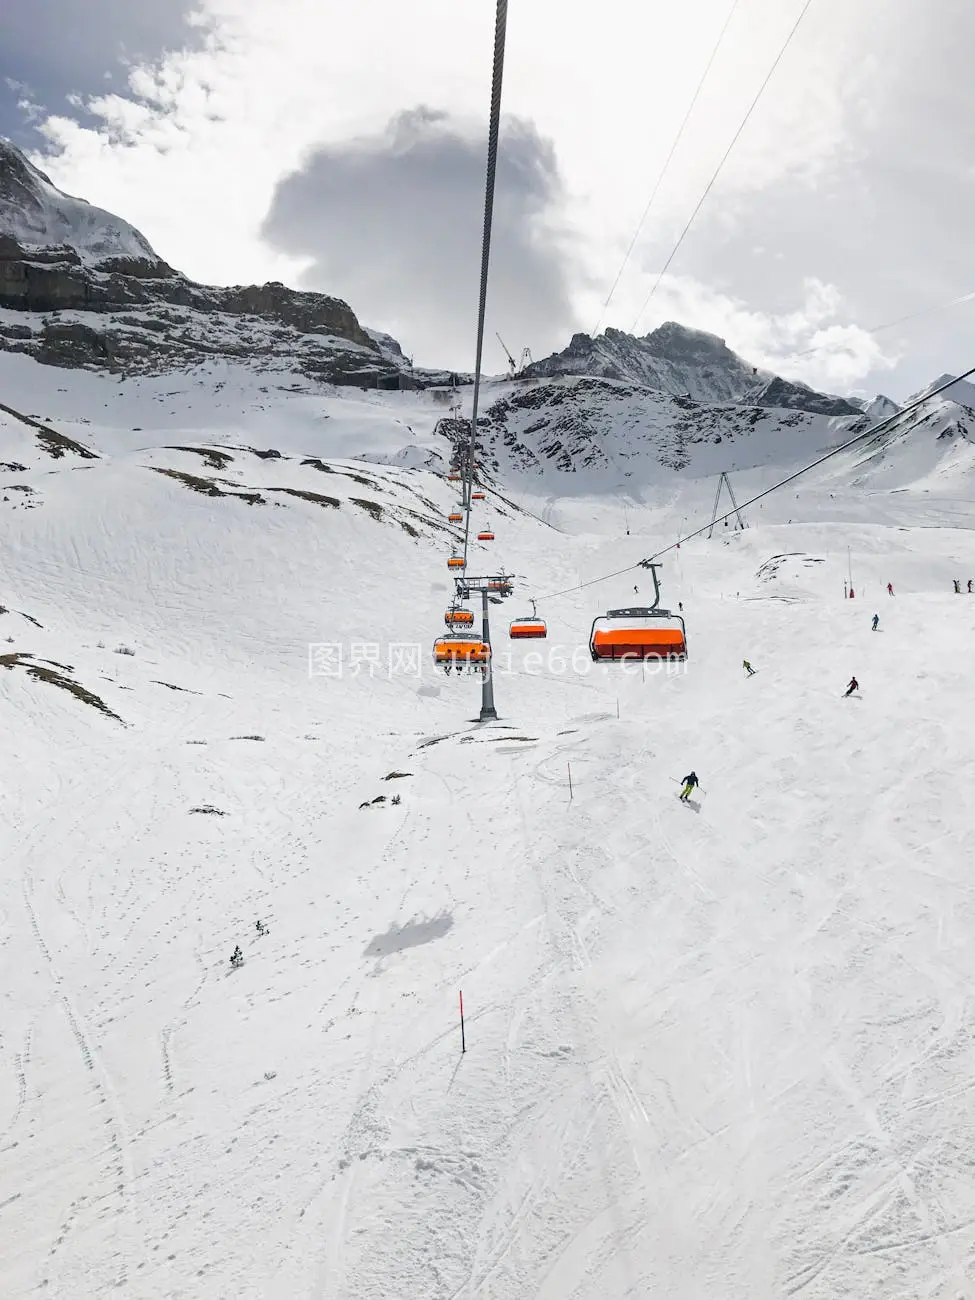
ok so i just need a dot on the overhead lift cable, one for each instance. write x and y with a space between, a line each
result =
889 324
720 166
664 169
500 29
874 429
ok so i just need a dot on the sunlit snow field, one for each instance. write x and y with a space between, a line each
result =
716 1052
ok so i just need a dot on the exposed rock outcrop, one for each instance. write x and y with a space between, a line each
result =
685 363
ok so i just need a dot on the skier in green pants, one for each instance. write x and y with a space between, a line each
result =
689 783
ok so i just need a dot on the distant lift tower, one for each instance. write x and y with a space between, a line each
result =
724 479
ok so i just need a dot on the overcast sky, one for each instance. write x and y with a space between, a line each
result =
341 147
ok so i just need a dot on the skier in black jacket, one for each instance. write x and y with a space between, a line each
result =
689 783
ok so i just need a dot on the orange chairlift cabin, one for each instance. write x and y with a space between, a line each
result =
461 650
501 585
458 616
639 632
477 496
528 629
455 517
485 535
453 476
456 562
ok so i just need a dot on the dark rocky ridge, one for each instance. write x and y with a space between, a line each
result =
56 279
683 362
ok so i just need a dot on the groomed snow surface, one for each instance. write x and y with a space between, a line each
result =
715 1052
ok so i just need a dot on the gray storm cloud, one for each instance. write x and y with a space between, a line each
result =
50 49
888 223
393 224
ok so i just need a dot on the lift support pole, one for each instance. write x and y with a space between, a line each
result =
488 712
724 479
466 589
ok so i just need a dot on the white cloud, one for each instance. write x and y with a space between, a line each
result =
386 221
213 128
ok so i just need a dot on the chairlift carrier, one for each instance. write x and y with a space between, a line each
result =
639 632
458 616
530 628
459 648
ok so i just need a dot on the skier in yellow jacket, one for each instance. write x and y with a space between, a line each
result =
690 782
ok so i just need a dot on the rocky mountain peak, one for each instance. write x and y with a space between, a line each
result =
684 363
35 213
880 408
680 343
962 391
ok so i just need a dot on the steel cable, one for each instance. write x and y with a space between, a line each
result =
720 166
467 471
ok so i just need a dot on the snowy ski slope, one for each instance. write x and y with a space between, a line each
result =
717 1052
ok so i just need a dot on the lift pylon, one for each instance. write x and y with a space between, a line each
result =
726 481
467 589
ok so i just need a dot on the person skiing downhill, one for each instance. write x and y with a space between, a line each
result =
853 686
876 620
957 583
690 782
890 588
748 668
969 584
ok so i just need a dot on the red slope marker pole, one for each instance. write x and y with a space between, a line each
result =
463 1041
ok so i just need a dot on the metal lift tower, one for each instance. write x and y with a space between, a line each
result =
495 584
726 481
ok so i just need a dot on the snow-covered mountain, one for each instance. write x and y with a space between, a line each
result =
622 432
961 392
880 408
684 362
932 448
38 215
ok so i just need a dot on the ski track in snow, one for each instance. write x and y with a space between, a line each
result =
722 1052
